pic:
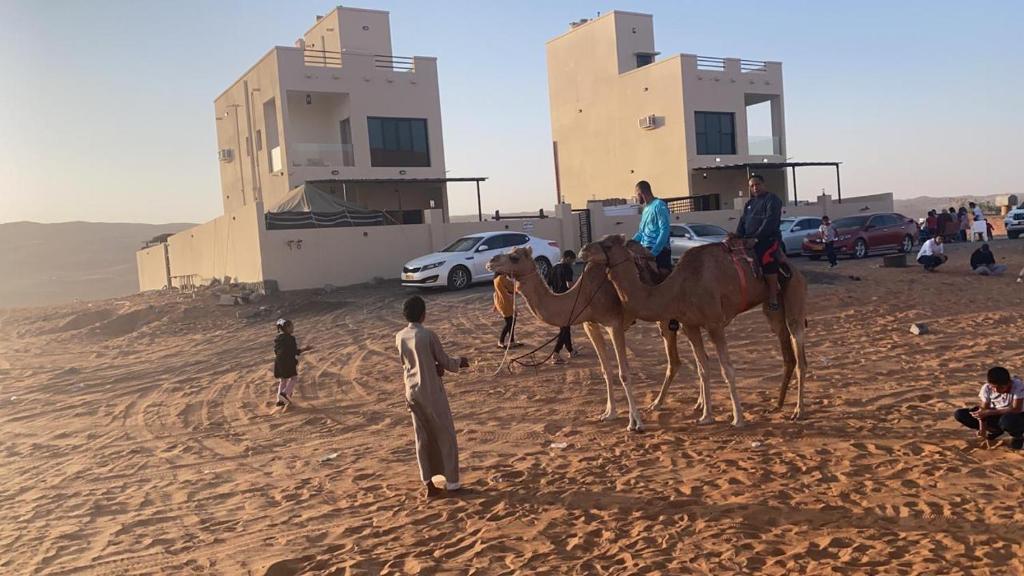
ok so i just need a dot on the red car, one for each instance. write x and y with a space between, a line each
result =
858 235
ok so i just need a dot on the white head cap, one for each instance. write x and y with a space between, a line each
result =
281 322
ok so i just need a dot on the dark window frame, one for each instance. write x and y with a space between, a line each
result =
644 59
399 142
714 140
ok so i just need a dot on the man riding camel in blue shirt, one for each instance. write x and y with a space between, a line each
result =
654 231
654 226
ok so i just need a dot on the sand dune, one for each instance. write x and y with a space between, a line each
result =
139 439
57 263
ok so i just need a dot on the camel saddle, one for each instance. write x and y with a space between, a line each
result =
741 250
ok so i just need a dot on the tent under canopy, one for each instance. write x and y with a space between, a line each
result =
307 206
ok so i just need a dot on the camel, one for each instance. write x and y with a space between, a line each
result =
709 286
593 302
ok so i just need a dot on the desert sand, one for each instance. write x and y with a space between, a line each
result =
139 438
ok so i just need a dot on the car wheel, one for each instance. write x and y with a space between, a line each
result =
860 249
815 257
1013 235
908 244
543 266
458 278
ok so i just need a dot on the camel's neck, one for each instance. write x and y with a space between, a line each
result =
551 308
643 300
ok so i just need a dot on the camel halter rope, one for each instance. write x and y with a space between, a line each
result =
573 316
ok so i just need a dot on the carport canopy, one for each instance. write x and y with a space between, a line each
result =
753 167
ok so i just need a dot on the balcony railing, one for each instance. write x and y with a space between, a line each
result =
323 58
719 64
693 203
753 66
320 155
394 63
710 63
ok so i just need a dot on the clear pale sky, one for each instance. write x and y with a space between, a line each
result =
106 107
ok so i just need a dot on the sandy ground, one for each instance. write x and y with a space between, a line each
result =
138 438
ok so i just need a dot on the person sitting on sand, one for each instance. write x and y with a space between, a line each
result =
1001 410
286 360
932 255
983 262
424 362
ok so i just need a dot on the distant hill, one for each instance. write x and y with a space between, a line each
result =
54 263
919 207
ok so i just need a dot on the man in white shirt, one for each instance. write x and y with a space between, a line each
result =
1001 410
976 211
932 254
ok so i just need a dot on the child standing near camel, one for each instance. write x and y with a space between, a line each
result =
504 292
286 361
424 362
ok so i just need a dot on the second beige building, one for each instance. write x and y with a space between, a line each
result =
620 114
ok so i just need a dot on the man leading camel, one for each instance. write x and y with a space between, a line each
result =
760 222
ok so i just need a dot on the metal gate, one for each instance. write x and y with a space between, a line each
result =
583 215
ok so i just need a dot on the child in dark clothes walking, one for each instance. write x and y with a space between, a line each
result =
286 360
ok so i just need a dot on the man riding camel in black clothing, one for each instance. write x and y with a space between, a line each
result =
760 222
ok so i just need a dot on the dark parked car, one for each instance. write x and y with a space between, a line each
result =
858 235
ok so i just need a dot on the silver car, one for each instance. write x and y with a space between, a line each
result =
795 230
682 237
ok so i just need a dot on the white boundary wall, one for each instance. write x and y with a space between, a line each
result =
239 245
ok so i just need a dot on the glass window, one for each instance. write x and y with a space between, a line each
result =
715 132
644 59
677 232
707 230
498 242
850 222
462 245
882 220
398 142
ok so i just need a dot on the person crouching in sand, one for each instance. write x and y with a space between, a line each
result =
424 362
1001 410
286 360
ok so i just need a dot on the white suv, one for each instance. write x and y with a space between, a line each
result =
1014 222
463 262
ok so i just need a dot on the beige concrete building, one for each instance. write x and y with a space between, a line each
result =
339 109
621 113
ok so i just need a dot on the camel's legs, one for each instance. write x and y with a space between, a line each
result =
601 348
781 330
798 337
700 355
796 323
728 372
619 341
672 356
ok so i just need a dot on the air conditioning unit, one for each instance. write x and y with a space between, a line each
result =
225 154
648 122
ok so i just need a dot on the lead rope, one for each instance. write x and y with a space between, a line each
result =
573 315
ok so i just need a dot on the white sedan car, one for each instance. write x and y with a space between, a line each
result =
463 262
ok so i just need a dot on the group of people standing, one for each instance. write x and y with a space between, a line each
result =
956 225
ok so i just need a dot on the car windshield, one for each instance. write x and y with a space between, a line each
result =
463 244
707 230
786 222
851 222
